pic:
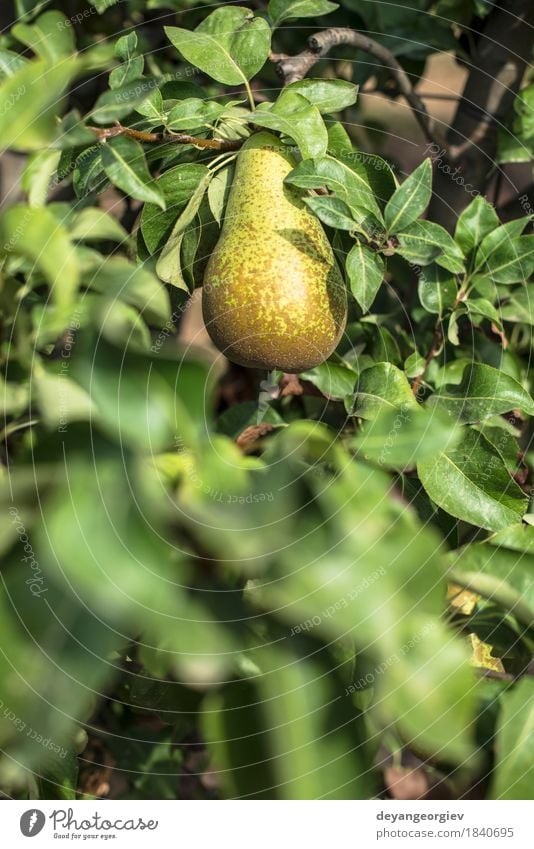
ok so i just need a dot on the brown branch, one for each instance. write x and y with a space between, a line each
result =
293 68
434 349
222 145
498 63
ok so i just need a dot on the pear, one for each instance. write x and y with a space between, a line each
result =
273 295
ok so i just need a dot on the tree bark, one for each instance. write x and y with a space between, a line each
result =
497 70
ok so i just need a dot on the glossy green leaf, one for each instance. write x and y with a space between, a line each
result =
519 308
177 185
283 10
476 221
116 103
230 45
125 164
332 211
169 264
423 241
296 117
437 289
497 239
345 176
410 199
471 482
191 113
365 270
512 261
484 391
333 381
326 95
383 386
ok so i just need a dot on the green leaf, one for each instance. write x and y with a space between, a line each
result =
286 733
49 36
192 113
358 590
218 192
333 381
125 46
423 241
382 386
102 6
332 211
168 267
512 261
482 307
93 224
35 234
230 45
101 544
429 688
59 399
153 107
345 176
37 177
437 289
296 117
32 100
10 62
494 240
73 133
458 480
501 569
339 140
282 10
514 746
398 439
89 174
410 199
115 277
127 72
125 165
177 185
236 418
519 308
517 144
326 95
116 103
476 221
365 270
484 391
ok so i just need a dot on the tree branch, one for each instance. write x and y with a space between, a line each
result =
292 68
498 65
104 133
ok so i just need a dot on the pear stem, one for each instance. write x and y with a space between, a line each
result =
250 96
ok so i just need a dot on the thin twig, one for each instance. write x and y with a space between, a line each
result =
293 68
223 145
434 349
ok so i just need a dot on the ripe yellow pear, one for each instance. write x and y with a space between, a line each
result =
273 296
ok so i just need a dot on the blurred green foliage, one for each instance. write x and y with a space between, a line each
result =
281 601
